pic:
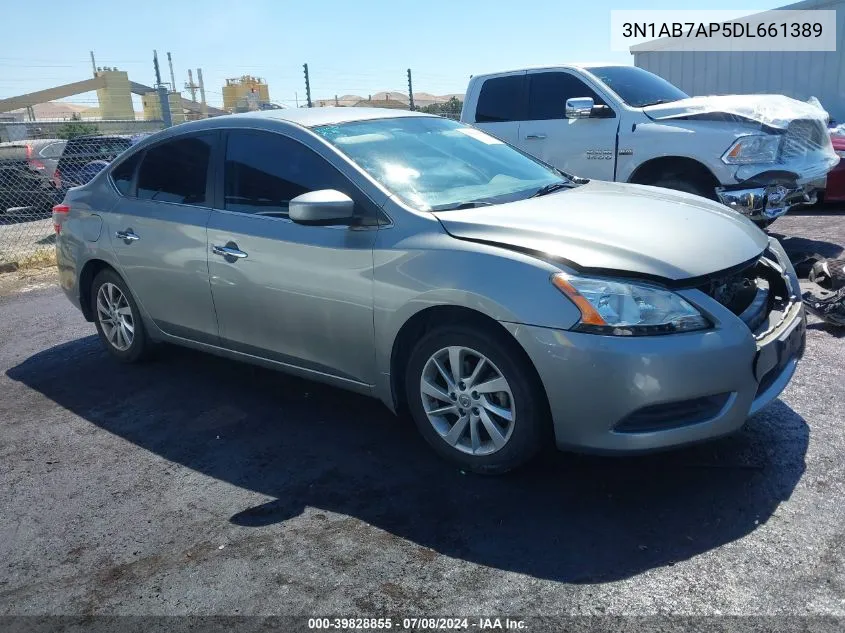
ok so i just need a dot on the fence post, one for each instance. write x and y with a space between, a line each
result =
307 86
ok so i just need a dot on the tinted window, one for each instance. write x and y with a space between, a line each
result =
122 174
53 150
176 171
97 145
501 99
264 171
548 92
638 87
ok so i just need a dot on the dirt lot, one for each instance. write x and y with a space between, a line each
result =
194 485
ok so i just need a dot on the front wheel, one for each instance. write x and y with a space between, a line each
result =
475 399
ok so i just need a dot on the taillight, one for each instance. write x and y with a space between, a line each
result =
59 210
32 162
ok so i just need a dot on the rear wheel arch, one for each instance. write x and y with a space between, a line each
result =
90 270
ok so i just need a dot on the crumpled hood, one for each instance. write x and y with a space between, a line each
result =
771 110
608 226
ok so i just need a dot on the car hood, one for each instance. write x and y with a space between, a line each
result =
617 228
770 110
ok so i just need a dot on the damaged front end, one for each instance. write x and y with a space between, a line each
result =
777 161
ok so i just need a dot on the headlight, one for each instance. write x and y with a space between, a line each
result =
756 148
628 309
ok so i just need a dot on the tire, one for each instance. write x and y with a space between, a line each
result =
687 186
118 303
518 440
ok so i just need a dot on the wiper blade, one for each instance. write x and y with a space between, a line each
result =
551 187
467 205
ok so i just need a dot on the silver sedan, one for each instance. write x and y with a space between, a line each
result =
501 303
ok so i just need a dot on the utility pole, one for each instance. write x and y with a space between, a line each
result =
410 91
307 86
203 104
93 64
172 76
191 86
162 94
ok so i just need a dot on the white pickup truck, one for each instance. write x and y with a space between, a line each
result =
759 154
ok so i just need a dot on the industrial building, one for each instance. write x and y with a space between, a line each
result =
245 93
799 75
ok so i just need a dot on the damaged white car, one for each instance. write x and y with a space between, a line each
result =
759 154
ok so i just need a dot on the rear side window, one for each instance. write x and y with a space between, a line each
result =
548 92
53 150
265 171
176 171
123 174
501 99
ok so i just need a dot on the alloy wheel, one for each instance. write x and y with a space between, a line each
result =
467 400
115 316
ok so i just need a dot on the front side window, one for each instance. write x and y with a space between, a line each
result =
437 164
637 87
176 171
501 99
548 92
265 171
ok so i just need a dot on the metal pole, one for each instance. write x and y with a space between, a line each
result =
93 64
410 91
172 76
307 86
203 104
191 85
162 94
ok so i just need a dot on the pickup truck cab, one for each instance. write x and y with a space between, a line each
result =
759 154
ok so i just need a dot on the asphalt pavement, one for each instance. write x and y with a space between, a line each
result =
196 485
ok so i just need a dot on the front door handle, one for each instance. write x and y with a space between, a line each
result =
535 137
230 252
128 236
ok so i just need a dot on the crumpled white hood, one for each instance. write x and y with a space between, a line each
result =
771 110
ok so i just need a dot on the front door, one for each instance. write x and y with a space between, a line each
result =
158 233
300 295
583 147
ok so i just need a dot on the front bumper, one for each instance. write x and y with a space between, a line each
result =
634 394
771 201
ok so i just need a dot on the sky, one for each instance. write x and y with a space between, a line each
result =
351 46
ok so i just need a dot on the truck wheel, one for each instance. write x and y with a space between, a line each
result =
685 185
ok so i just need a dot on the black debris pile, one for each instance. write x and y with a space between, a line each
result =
823 291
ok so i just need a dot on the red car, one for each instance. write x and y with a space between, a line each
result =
835 190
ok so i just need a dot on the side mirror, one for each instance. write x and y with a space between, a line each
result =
579 107
323 207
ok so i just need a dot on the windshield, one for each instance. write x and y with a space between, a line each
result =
638 87
437 164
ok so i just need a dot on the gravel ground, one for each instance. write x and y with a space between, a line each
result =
194 485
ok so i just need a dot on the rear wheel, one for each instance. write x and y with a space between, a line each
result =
117 318
475 399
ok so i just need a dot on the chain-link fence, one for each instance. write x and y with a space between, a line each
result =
35 174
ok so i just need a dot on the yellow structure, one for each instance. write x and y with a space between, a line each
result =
244 93
152 107
115 96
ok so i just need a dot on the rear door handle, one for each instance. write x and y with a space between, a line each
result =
127 236
230 252
535 137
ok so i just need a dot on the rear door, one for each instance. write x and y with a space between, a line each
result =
584 147
501 105
300 295
158 232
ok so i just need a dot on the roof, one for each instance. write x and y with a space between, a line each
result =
311 117
570 66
